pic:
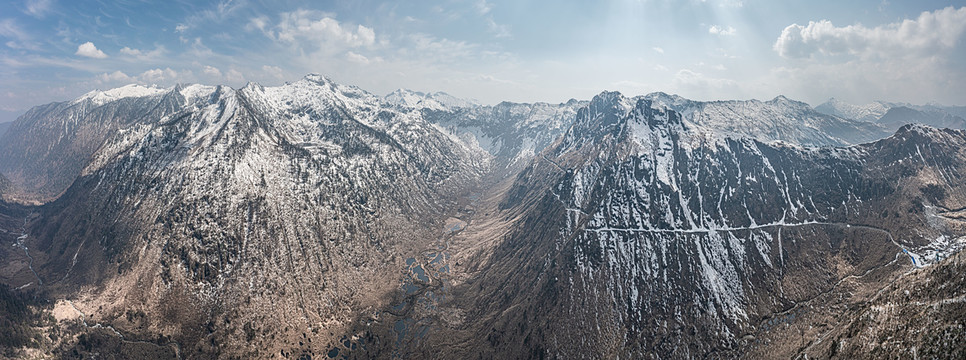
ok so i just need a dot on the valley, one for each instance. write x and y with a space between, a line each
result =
317 220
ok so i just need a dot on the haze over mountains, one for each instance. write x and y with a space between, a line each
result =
317 219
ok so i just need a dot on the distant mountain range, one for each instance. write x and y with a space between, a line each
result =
893 115
318 220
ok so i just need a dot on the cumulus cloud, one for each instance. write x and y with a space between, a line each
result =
114 77
658 50
89 50
914 60
129 51
212 71
721 30
162 76
318 29
930 32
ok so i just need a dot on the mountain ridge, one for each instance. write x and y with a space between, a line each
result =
314 218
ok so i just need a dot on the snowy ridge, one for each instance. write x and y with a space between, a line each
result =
438 101
128 91
776 120
196 93
892 115
868 112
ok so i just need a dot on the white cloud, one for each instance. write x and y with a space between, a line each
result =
273 71
38 8
356 58
314 29
142 54
482 7
259 23
89 50
114 77
180 28
19 38
430 48
499 30
929 33
129 51
9 29
235 76
158 76
493 79
212 71
719 30
658 50
697 85
912 60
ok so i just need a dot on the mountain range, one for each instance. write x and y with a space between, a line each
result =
893 115
315 219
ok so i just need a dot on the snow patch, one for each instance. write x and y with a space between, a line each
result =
128 91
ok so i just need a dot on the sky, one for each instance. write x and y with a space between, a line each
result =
493 50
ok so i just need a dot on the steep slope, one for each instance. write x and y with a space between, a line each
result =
922 315
4 126
46 148
277 211
635 236
4 185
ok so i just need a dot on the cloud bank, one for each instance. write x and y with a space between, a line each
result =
931 32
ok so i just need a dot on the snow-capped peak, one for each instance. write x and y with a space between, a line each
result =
127 91
672 101
195 92
316 78
405 97
433 101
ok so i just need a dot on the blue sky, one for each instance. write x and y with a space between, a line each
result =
493 50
